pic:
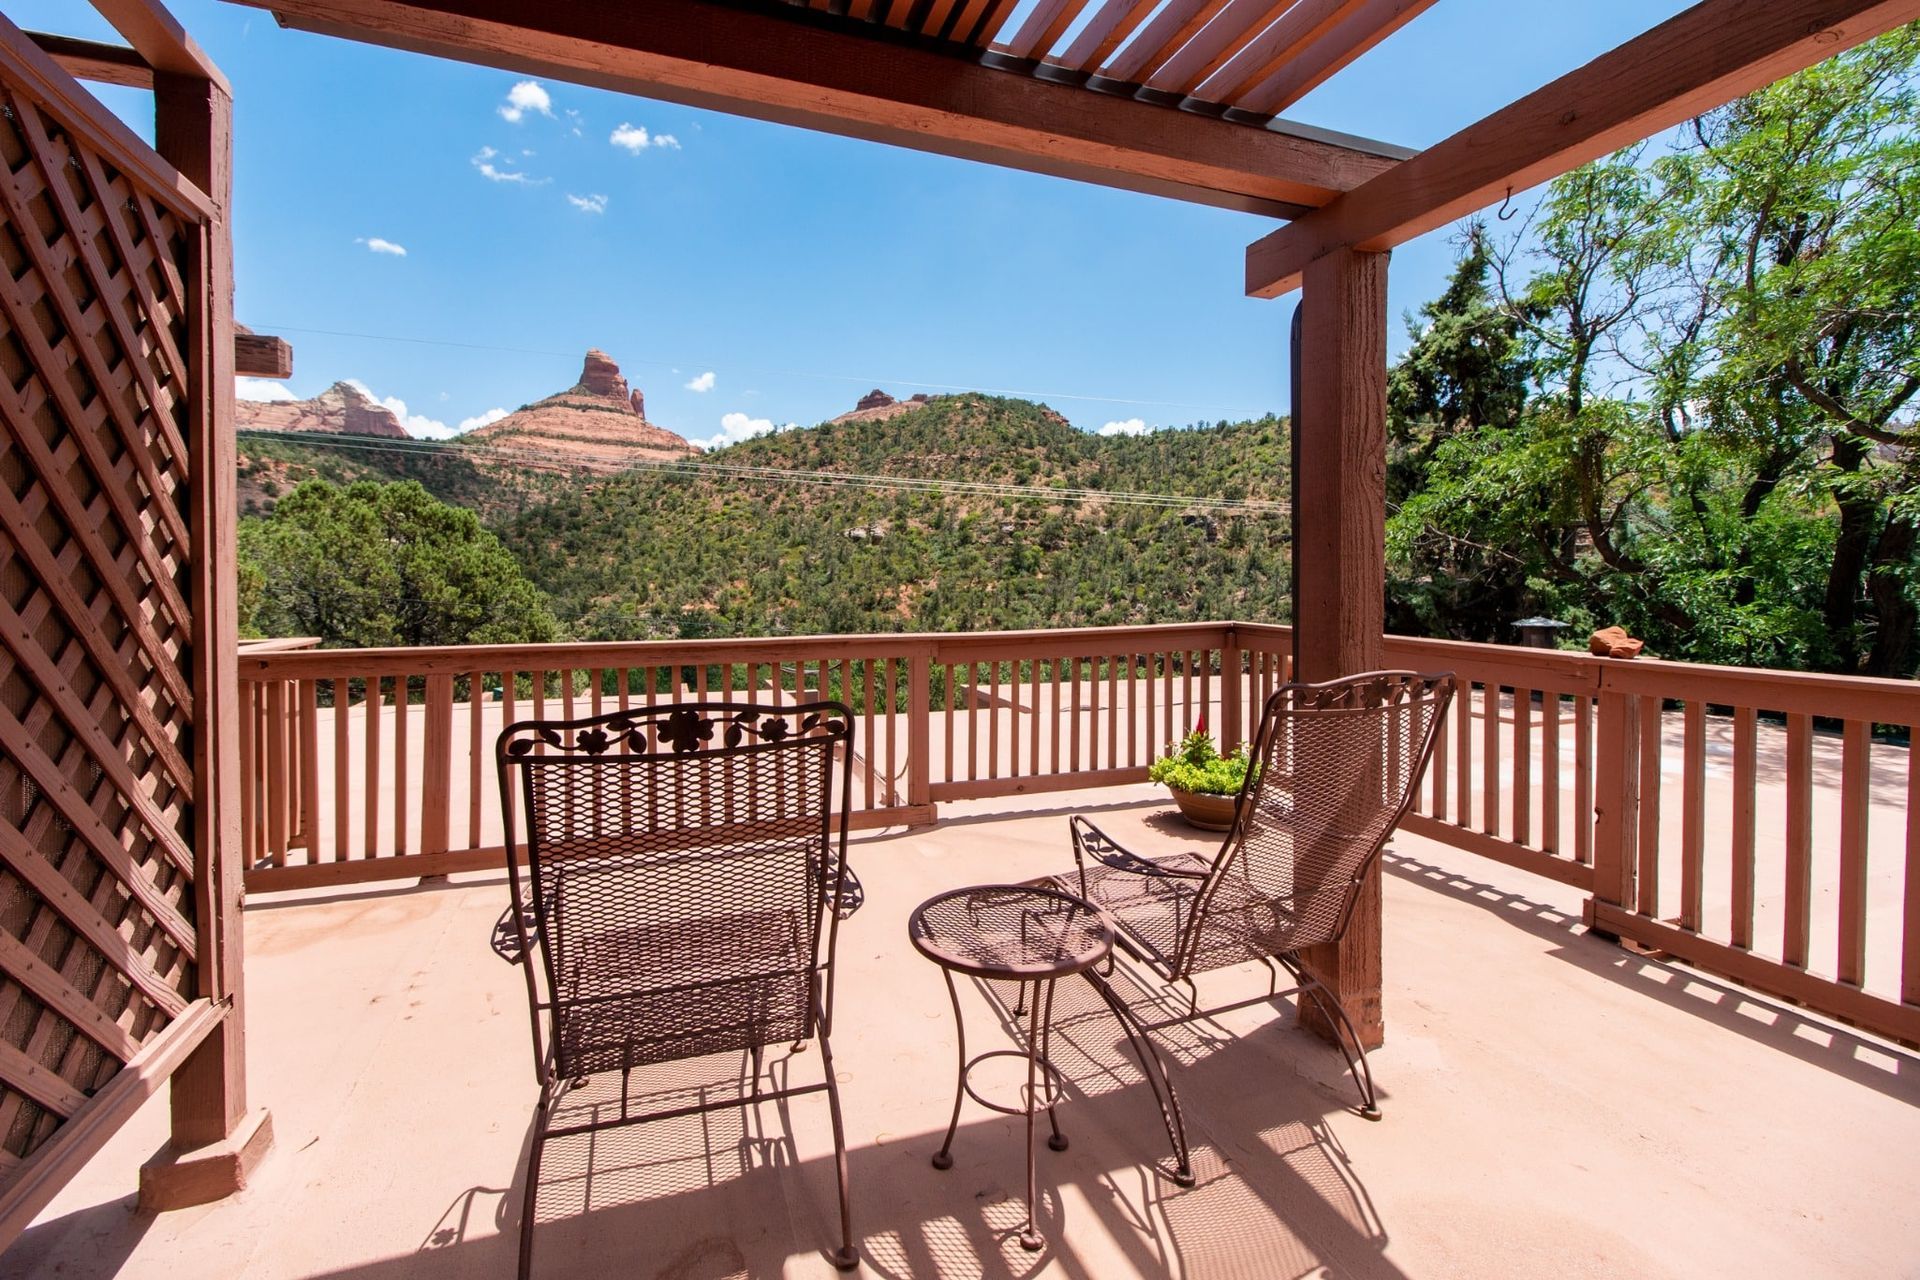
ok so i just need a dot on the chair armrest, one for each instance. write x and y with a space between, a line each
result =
1091 841
507 938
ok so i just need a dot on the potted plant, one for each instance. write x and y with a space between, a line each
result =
1205 784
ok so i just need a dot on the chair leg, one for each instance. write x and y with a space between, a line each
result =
1356 1065
1156 1073
530 1203
846 1257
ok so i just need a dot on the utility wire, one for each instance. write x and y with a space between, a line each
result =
829 479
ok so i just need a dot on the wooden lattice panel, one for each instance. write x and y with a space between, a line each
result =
96 894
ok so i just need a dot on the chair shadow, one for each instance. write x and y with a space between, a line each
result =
723 1194
1861 1059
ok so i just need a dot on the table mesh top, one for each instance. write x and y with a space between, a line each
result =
1011 931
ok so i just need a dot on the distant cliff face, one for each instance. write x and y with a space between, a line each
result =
342 409
598 424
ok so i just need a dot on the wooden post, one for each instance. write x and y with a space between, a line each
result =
1616 803
216 1139
919 737
436 768
1339 547
1232 688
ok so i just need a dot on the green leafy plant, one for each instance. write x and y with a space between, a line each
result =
1197 765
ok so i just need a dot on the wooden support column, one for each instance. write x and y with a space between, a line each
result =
1339 546
216 1138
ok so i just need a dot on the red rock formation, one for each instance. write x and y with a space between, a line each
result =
598 424
600 376
342 409
874 399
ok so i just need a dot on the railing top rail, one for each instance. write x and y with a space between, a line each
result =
260 665
1849 697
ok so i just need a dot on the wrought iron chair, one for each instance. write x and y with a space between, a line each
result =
1335 766
679 894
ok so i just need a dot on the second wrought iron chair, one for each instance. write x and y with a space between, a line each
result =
1335 766
678 894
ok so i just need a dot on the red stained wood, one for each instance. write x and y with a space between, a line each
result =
1708 55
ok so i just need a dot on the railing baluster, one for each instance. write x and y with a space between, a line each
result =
1522 765
476 754
1693 813
1437 770
866 676
1093 712
1166 689
1799 904
1054 736
1113 712
401 719
993 719
1856 771
1463 749
1910 912
1745 753
342 746
1550 771
953 681
1583 779
893 731
973 721
277 796
436 766
251 770
1490 758
370 794
1073 720
1647 895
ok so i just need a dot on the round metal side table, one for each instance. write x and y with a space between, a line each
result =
1012 933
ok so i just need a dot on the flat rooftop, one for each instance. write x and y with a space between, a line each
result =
1555 1105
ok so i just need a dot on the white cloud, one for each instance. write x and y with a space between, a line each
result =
1129 427
261 389
376 245
483 160
635 138
419 425
575 120
588 204
735 427
524 97
702 383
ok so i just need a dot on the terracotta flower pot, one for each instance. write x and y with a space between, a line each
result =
1209 813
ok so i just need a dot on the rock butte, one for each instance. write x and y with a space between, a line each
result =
342 409
598 424
877 405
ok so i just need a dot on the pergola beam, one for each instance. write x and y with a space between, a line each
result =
1701 59
162 43
91 60
807 68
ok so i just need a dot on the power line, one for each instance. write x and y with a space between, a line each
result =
854 378
828 479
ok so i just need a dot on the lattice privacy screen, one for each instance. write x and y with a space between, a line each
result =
96 896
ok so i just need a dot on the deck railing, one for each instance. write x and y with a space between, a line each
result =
1760 824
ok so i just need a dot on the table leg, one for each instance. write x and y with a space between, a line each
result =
1029 1235
943 1158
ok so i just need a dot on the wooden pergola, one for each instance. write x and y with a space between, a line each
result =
1177 98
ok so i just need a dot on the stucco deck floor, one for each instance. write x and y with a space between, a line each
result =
1554 1106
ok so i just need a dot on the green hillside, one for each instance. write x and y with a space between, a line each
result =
708 552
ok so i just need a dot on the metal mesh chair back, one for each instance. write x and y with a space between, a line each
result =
680 861
1337 766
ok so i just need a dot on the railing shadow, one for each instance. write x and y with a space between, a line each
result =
1876 1064
724 1193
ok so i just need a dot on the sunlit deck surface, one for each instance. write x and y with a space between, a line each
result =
1554 1106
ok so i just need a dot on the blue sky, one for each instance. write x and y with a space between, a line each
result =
746 273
